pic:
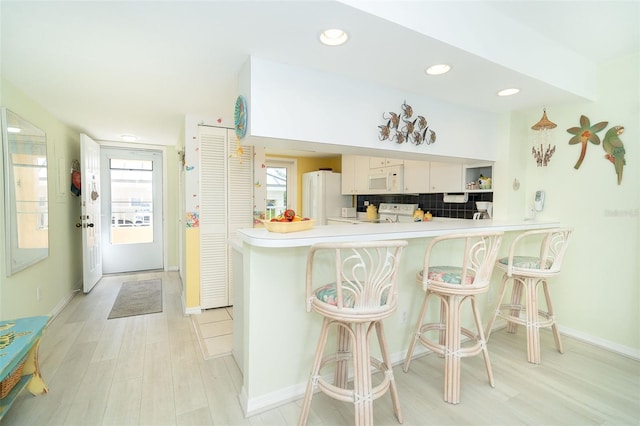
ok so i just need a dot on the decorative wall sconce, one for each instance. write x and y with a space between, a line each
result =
542 136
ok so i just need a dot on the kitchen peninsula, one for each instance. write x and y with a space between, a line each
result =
274 336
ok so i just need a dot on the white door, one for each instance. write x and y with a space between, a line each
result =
132 238
90 220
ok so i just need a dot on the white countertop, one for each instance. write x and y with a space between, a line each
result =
360 231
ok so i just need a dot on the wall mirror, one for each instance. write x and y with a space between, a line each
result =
24 149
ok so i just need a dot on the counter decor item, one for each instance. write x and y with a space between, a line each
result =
285 227
484 182
372 212
414 130
418 215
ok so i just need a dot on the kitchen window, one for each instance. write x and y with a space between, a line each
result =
281 186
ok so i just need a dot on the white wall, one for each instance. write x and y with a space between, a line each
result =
296 104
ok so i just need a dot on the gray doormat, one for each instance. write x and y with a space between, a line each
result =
138 298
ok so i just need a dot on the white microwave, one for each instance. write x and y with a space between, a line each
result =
386 180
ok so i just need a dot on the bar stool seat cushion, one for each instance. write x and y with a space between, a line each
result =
448 274
526 262
329 295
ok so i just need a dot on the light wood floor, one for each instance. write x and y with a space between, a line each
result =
149 370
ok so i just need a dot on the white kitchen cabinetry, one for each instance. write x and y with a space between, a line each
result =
416 177
445 177
355 173
375 162
226 204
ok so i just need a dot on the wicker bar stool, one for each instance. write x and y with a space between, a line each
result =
467 274
362 291
527 273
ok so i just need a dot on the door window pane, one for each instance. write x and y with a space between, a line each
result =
276 191
131 201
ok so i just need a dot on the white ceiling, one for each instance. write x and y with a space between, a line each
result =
137 67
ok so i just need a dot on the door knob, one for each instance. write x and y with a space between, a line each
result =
89 225
78 225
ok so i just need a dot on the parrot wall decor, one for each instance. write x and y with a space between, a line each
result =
614 149
585 133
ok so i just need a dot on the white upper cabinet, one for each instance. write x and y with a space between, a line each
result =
375 162
416 177
355 172
445 177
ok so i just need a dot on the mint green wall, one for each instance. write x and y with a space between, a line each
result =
61 273
597 296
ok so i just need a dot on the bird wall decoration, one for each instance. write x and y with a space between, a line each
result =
614 148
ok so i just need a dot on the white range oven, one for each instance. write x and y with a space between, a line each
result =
389 212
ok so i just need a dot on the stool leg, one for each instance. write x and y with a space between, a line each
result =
387 363
516 299
363 399
341 373
554 325
322 341
533 325
482 341
496 311
452 349
414 337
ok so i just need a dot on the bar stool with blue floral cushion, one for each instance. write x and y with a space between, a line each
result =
359 291
468 260
527 273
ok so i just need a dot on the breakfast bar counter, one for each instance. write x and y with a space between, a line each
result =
274 336
364 231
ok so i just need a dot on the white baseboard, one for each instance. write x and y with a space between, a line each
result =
257 405
65 301
587 338
253 406
601 343
194 310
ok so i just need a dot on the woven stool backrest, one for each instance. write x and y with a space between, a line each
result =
365 273
476 260
553 247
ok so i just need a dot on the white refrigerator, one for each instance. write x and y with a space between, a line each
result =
322 196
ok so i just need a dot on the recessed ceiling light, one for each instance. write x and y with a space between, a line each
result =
129 138
508 92
14 129
438 69
334 37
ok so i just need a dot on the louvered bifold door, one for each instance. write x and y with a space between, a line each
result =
213 218
240 200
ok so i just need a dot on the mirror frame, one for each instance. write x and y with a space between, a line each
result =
31 140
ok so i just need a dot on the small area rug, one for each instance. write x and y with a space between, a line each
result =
138 298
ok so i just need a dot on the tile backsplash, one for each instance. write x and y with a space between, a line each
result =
430 202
